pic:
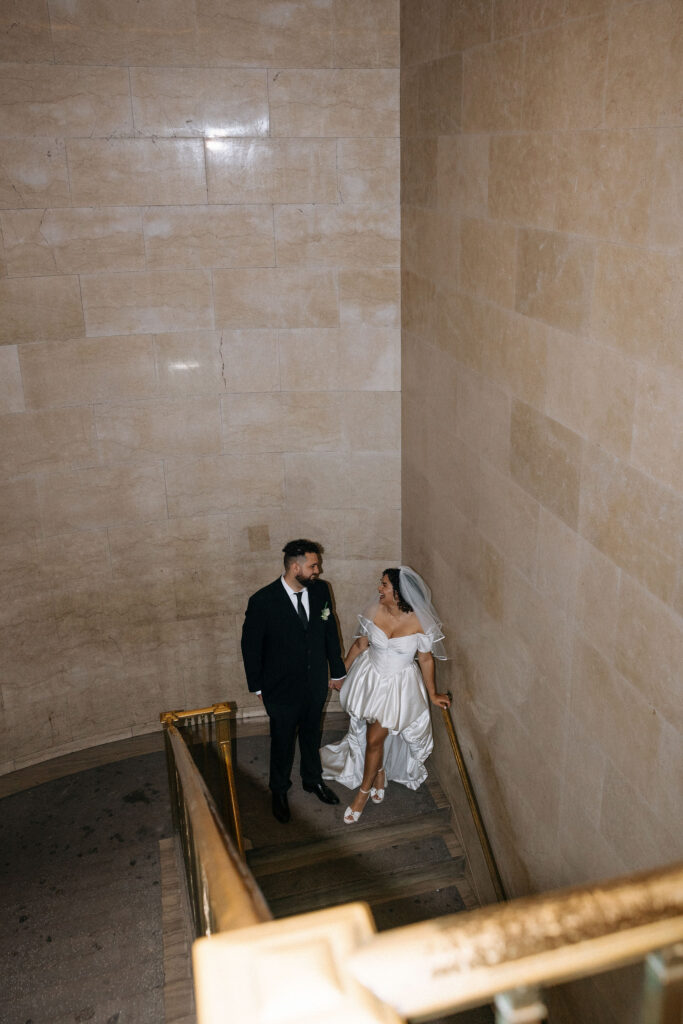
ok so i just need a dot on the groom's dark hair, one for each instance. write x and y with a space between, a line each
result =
296 549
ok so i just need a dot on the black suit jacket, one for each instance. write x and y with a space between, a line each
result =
283 659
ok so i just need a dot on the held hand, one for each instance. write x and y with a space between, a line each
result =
336 684
442 700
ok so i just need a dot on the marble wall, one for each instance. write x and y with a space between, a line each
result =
542 311
199 341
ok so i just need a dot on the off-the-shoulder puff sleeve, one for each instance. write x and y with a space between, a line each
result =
363 627
431 641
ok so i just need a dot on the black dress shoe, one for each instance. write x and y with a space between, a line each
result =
281 807
323 793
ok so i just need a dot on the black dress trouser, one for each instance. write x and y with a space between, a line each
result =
302 714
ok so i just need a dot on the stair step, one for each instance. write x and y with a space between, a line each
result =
375 891
290 856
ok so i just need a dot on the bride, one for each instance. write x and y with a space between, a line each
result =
390 733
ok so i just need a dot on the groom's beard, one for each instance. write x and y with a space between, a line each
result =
303 581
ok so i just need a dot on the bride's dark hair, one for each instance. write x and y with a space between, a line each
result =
393 575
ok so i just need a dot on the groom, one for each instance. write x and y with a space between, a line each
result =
288 639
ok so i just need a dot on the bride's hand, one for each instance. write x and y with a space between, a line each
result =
442 700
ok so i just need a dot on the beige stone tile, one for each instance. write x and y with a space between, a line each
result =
368 170
340 102
463 24
33 173
463 173
263 533
21 569
565 70
281 423
208 236
372 534
41 242
666 203
658 427
11 386
370 297
265 34
617 716
275 298
33 442
430 240
649 649
421 43
347 359
487 260
123 32
41 308
545 459
632 519
159 428
190 363
76 556
158 550
517 17
64 101
204 102
206 591
19 510
597 603
523 177
250 360
330 236
493 84
219 483
25 32
335 481
419 171
558 561
146 302
667 796
638 304
271 170
90 499
514 353
87 370
625 164
482 418
439 102
543 632
366 35
554 278
371 421
592 390
135 172
645 84
424 311
650 845
409 103
508 519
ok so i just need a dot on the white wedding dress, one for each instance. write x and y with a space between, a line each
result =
384 685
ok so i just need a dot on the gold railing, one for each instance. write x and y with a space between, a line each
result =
331 965
223 893
473 805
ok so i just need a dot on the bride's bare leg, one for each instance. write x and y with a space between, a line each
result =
374 754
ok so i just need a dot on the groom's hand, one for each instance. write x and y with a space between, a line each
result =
336 684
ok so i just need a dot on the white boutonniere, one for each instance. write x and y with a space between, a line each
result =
325 613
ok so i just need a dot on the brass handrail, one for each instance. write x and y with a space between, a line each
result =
223 891
465 960
494 873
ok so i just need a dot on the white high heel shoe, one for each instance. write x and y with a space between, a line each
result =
377 794
351 816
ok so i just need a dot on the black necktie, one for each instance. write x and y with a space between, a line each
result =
301 610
